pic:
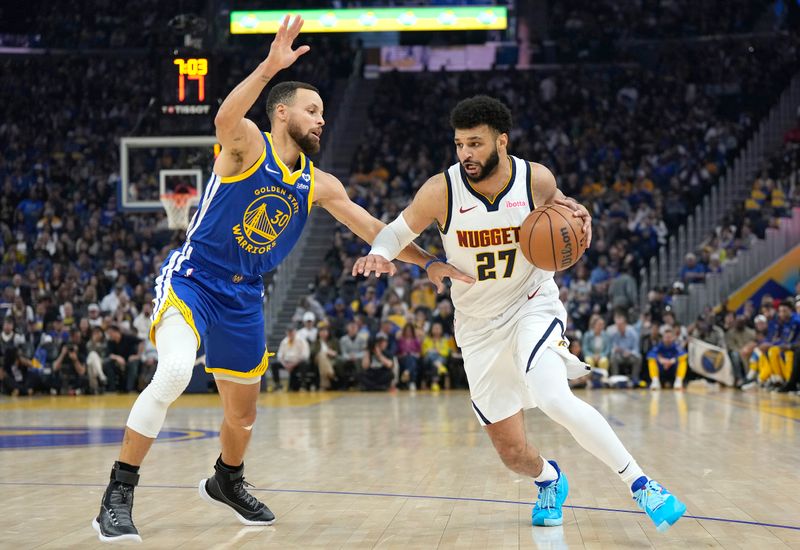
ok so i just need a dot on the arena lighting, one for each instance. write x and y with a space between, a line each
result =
375 19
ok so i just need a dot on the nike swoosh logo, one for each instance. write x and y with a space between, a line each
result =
270 170
535 292
622 471
465 210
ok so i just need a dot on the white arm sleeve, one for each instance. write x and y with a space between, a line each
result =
393 239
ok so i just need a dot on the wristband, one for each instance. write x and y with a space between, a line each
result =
433 261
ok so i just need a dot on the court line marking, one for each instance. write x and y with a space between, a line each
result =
404 495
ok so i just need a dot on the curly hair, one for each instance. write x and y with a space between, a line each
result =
481 109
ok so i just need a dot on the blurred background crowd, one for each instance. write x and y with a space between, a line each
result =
640 143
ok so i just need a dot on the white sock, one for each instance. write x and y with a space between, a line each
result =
548 472
630 473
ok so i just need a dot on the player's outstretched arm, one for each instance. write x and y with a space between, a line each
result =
428 206
234 131
546 191
331 195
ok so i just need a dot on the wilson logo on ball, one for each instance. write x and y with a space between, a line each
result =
566 252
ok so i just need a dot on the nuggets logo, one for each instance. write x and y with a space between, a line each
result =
265 219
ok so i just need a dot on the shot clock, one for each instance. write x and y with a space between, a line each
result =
187 99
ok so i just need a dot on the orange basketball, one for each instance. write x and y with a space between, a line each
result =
551 238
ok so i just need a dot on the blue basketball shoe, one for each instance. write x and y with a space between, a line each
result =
659 504
552 494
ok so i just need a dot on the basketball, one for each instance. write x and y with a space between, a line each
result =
551 238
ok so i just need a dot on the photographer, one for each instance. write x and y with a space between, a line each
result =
69 368
14 365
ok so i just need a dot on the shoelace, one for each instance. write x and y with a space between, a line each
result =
547 496
650 496
120 501
241 493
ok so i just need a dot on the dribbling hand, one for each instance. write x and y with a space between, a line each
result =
579 211
281 55
373 263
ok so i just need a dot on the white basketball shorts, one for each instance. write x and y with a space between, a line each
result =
498 352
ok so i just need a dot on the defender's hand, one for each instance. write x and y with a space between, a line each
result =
579 211
373 264
281 55
439 271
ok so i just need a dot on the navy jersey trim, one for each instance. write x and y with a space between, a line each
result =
543 339
449 214
491 205
529 179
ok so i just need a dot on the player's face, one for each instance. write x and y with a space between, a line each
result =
305 120
477 151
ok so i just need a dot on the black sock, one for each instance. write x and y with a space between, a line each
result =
228 468
125 467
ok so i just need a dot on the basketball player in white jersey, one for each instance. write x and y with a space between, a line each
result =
510 322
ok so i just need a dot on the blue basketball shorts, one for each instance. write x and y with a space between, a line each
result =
224 309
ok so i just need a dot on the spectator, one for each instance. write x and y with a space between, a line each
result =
141 324
622 289
69 368
444 316
293 356
96 354
95 319
667 361
353 347
737 336
692 270
436 351
409 353
308 331
325 354
377 372
625 351
596 347
122 364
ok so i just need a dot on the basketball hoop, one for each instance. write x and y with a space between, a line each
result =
177 206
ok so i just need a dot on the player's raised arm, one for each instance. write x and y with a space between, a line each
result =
546 191
331 195
233 130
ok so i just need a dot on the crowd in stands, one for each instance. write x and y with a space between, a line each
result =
76 274
639 155
638 145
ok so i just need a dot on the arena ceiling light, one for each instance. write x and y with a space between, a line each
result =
375 19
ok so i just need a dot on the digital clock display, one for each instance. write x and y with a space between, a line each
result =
186 85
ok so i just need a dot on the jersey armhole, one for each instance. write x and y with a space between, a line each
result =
449 214
529 188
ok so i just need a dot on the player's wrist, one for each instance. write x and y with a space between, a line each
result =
267 69
432 261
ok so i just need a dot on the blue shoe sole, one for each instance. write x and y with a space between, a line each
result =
548 522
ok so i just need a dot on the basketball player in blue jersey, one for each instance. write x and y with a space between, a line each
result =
250 216
510 323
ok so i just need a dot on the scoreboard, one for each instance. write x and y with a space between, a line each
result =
187 98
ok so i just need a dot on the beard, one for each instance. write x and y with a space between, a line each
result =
307 142
485 170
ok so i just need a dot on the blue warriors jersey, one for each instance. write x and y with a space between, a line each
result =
669 352
247 224
784 333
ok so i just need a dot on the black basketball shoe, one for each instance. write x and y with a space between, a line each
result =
227 488
114 523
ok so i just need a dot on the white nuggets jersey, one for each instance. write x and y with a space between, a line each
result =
481 238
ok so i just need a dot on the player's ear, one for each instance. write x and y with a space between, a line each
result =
502 140
281 112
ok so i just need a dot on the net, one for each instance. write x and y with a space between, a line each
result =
177 206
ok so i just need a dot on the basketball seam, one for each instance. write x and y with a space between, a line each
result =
530 238
552 241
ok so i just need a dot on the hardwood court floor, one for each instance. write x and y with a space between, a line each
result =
407 471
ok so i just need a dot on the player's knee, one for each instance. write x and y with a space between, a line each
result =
511 453
241 418
173 373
